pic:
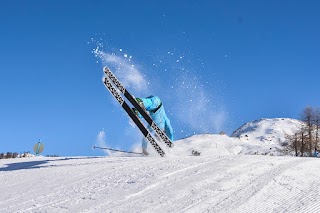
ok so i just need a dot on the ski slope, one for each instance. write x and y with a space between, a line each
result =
226 183
233 174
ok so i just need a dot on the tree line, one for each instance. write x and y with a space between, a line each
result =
17 155
13 155
305 142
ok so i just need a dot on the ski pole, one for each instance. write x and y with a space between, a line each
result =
116 150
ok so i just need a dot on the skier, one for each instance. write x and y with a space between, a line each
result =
153 105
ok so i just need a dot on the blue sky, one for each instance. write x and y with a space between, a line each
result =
215 64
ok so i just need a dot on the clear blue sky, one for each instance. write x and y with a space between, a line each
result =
252 58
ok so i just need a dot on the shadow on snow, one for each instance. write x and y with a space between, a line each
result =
36 164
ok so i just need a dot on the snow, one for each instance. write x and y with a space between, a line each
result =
269 131
226 177
230 183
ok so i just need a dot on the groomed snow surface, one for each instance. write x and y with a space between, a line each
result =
231 183
232 174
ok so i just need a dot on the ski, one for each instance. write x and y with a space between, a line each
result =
117 150
133 116
133 101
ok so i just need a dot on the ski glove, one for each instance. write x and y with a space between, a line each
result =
135 111
140 102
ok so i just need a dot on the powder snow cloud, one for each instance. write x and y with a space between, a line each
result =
125 70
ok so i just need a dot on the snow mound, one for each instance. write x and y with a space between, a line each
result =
210 145
269 131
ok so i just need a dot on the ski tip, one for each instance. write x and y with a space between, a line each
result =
106 69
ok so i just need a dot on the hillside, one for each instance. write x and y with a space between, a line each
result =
231 183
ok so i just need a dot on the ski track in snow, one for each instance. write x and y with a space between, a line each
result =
237 183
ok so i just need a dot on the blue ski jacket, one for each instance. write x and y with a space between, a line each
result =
156 110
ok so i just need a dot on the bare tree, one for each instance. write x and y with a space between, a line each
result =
296 144
316 124
302 150
9 155
293 143
307 116
306 140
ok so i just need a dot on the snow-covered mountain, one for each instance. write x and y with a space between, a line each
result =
269 131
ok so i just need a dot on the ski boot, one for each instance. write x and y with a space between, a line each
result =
144 151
